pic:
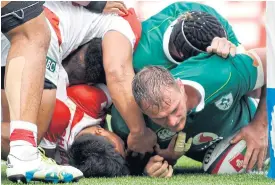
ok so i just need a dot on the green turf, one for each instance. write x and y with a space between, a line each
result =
187 172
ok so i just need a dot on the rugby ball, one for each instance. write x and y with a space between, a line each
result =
225 158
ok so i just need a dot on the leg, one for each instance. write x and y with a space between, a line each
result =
44 118
5 107
5 140
29 36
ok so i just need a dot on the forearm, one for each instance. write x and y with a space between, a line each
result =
119 74
260 115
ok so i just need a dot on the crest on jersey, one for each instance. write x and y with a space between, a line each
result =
225 102
165 134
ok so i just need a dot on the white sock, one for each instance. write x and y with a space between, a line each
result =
23 140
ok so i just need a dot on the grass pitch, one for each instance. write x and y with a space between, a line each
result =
186 171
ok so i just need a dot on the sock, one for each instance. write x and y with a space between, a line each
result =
23 140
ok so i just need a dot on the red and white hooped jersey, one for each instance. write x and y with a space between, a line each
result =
84 107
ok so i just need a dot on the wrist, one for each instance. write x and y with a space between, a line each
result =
261 124
137 131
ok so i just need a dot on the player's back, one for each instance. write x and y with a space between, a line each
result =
77 25
156 31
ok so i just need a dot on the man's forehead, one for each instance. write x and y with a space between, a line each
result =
160 110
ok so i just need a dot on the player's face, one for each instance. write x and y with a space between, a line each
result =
172 113
110 136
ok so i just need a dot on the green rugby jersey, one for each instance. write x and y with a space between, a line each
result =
222 84
150 48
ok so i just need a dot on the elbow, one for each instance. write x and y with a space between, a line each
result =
118 73
115 75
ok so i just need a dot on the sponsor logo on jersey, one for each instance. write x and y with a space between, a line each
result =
225 102
204 137
50 64
208 154
165 134
237 161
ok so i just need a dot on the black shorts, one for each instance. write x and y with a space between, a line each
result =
16 13
3 70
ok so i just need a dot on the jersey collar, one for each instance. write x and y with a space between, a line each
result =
166 38
200 89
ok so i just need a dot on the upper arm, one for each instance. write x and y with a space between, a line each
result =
251 68
259 57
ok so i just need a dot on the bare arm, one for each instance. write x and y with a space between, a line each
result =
117 60
119 74
256 146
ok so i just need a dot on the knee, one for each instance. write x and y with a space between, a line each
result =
36 34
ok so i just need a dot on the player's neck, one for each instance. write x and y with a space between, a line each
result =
193 97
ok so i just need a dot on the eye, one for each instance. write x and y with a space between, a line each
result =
159 120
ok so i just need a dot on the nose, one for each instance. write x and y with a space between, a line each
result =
172 121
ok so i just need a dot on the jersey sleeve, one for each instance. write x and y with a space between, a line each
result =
250 68
135 24
219 76
109 22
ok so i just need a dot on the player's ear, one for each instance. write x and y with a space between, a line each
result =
180 84
99 131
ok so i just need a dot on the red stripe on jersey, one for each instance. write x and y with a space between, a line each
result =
78 115
54 20
24 135
135 24
51 137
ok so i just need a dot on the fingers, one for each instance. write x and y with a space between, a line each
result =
156 158
154 168
214 46
209 49
253 159
115 7
237 138
261 159
122 7
162 171
225 50
247 156
170 172
222 47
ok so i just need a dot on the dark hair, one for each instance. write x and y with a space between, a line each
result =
96 157
194 32
149 83
94 62
137 164
86 65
